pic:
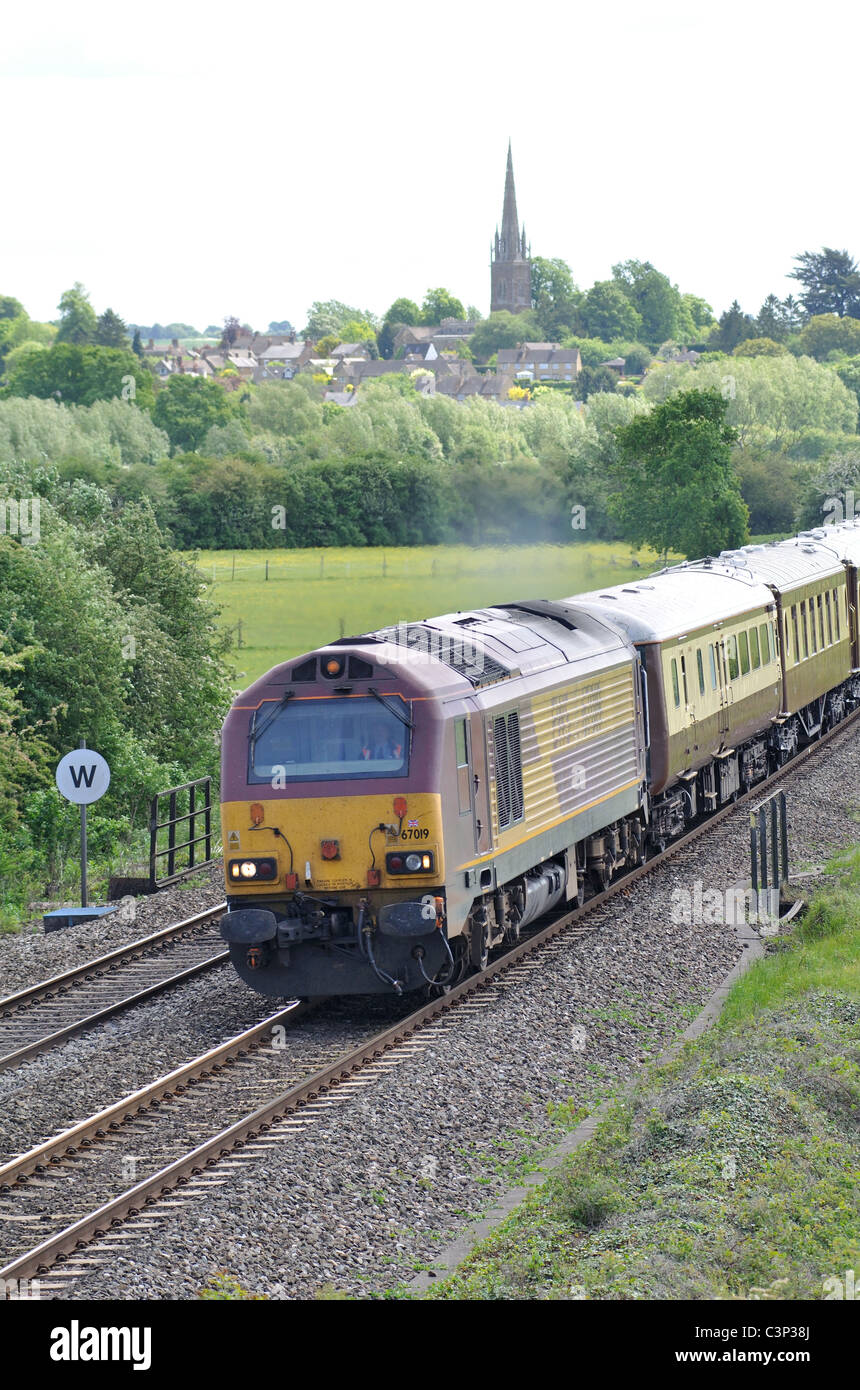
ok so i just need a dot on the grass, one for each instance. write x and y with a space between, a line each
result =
314 596
731 1172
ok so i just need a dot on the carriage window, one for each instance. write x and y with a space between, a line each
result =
795 632
836 612
829 619
743 646
675 689
684 679
754 651
812 628
730 646
804 629
713 665
319 740
820 606
701 670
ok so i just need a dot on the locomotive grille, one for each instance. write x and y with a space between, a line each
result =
461 654
508 770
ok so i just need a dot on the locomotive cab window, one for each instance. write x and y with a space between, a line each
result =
322 740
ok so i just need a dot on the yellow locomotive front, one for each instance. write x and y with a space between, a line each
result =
332 827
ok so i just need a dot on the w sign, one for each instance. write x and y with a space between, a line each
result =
82 776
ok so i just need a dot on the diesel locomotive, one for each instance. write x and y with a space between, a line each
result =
396 804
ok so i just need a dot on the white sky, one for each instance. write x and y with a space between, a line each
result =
192 160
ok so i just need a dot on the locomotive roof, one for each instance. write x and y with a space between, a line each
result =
518 638
676 601
459 653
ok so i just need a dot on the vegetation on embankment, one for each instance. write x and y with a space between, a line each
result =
731 1172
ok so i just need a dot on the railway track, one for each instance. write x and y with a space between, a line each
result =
48 1013
180 1170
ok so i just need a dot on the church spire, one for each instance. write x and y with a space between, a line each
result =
511 266
510 238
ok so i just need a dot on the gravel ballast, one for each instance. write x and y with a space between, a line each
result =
371 1189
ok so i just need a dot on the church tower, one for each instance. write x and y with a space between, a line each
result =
510 266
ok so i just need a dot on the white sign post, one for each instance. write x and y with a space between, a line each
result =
82 777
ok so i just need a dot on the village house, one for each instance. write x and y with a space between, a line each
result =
539 362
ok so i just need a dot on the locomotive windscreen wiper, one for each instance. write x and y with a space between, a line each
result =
392 709
254 733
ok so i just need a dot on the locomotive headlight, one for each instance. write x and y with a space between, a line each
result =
410 863
249 869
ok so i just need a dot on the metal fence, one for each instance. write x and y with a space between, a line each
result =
188 806
769 844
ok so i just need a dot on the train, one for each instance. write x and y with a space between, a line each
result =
398 804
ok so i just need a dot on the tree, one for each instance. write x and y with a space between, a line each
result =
654 298
136 344
279 326
230 332
593 381
759 347
403 311
358 331
111 331
326 346
637 359
555 298
733 327
187 407
502 330
10 308
772 320
830 280
608 313
826 333
700 312
848 372
77 317
677 488
439 304
329 316
77 375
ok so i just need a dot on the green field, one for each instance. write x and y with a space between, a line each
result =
314 596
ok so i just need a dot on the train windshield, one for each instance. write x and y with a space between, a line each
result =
328 740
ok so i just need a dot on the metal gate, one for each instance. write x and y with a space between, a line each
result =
190 807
